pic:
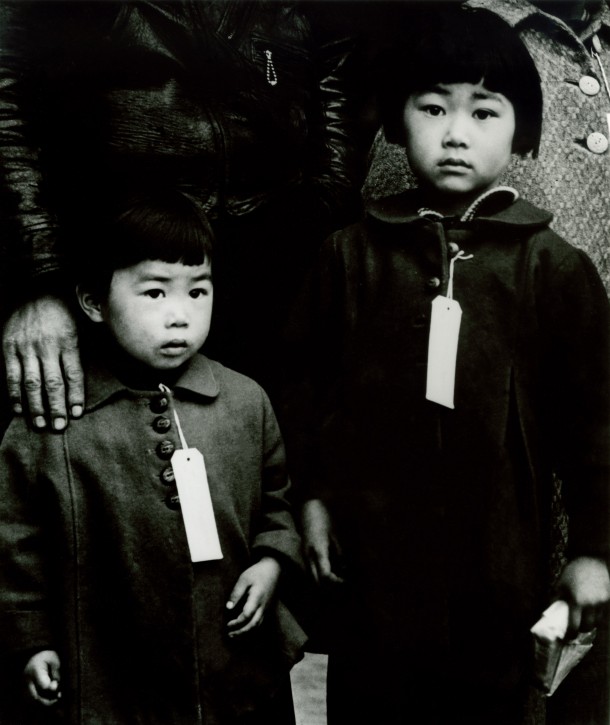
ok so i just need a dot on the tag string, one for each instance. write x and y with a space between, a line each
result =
595 52
180 433
452 261
168 392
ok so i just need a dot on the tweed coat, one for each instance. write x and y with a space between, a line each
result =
95 562
443 515
567 178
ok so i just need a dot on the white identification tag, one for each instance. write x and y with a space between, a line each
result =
195 499
442 350
196 504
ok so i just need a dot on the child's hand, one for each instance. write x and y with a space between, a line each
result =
42 677
255 587
585 585
319 541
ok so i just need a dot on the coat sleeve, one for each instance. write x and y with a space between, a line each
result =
28 227
275 532
25 624
577 374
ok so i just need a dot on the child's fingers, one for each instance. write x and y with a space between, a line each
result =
251 611
574 621
45 694
42 675
239 590
249 623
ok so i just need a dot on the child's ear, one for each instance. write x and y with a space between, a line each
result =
90 304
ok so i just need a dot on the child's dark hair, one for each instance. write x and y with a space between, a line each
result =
166 225
460 45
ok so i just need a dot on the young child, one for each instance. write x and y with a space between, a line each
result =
458 360
116 595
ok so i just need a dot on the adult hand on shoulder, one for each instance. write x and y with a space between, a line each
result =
40 345
42 677
255 587
321 546
585 585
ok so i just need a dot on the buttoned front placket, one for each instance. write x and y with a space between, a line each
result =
164 449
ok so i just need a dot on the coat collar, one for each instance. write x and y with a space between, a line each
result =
404 209
101 385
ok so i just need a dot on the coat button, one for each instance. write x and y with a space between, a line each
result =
161 424
589 86
167 476
433 283
172 501
597 142
165 450
453 247
159 404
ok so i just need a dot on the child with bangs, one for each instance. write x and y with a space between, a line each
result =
465 363
143 547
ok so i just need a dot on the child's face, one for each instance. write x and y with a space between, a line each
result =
458 139
160 312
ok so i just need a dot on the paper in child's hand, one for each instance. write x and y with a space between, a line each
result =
554 657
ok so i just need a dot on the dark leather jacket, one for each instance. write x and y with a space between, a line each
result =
237 102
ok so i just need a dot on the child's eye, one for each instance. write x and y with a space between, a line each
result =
199 292
154 293
482 114
432 110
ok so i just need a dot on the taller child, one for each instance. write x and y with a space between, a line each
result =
429 486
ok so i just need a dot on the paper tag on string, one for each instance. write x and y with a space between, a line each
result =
442 350
195 501
196 504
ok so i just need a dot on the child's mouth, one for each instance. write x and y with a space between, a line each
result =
174 347
452 163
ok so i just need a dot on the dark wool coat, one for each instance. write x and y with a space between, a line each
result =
95 562
443 515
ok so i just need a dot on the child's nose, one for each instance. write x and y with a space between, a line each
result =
456 134
177 316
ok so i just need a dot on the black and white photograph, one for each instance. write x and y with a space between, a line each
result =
305 395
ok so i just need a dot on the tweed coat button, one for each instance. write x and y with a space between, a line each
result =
167 476
173 501
589 86
597 142
165 450
159 404
433 283
453 247
161 424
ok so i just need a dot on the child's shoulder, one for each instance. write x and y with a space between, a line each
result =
379 222
229 382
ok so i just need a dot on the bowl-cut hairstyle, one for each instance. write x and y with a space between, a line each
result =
460 45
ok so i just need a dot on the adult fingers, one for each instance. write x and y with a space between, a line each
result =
12 365
54 388
32 385
74 378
